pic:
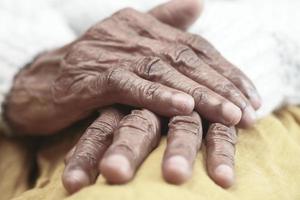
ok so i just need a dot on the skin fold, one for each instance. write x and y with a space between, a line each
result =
116 146
133 58
120 162
128 58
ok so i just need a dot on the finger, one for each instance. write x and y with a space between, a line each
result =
188 63
174 54
220 150
127 88
178 13
214 59
184 141
138 134
202 47
209 104
82 166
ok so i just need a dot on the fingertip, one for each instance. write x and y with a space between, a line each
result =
231 113
224 176
183 103
74 180
116 169
249 118
176 170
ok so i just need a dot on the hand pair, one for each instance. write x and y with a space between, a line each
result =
116 145
131 58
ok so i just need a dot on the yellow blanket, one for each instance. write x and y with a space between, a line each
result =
267 166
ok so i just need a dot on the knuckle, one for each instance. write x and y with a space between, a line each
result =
152 119
218 133
185 119
180 53
143 124
114 76
200 94
136 120
86 157
149 67
146 114
96 138
153 68
102 127
111 116
203 47
185 124
226 87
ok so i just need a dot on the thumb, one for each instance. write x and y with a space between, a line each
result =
178 13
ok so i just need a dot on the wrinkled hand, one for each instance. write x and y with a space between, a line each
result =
116 146
130 58
137 134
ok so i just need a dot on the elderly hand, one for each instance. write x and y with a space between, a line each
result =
133 138
116 146
130 58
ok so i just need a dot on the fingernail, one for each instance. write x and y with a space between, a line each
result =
224 176
176 170
249 117
231 113
184 103
75 179
116 169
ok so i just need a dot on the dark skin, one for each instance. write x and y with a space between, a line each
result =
183 143
116 146
129 59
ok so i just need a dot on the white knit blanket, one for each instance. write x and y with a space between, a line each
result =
262 37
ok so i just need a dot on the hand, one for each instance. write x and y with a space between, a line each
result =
130 58
83 161
133 138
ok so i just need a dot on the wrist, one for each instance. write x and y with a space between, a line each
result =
27 102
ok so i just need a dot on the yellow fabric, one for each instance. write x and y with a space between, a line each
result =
267 166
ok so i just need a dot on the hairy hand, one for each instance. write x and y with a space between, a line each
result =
130 58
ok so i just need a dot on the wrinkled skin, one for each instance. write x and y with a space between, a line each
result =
136 135
129 59
116 146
